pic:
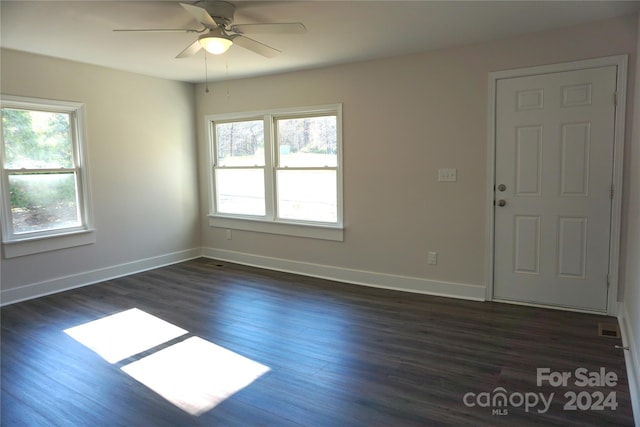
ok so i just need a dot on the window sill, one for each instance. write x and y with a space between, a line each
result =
311 231
38 245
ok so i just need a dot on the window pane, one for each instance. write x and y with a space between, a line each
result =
308 195
240 143
308 142
43 202
240 191
36 139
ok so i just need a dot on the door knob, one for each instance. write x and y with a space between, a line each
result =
502 202
502 187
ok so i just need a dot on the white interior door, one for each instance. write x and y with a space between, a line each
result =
554 162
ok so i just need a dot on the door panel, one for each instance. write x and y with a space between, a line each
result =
528 160
554 156
575 150
572 247
527 244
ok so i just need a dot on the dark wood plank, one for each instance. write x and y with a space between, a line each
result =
339 354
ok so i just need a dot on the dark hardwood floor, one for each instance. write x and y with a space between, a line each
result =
338 354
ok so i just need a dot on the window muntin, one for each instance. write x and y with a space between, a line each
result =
43 188
299 158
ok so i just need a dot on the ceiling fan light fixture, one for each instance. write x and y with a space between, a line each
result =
215 42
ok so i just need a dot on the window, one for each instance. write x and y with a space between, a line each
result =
44 191
278 172
240 167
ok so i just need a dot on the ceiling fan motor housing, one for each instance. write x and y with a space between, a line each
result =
221 11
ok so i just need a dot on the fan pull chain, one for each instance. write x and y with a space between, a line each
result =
227 69
206 74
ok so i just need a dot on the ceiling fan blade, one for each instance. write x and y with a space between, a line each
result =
273 28
191 50
200 14
255 46
156 30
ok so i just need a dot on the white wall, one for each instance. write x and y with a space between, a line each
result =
630 317
404 118
142 166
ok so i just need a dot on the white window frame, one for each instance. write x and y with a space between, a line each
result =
270 223
20 244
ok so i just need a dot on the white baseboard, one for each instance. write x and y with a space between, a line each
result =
35 290
357 277
632 360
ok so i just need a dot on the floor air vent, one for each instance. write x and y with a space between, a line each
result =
215 264
610 330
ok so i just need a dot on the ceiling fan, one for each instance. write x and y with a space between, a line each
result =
219 33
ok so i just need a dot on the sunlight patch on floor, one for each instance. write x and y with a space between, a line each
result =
195 374
124 334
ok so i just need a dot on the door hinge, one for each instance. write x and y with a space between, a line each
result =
612 191
608 282
615 98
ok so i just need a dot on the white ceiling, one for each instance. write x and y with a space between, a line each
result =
337 31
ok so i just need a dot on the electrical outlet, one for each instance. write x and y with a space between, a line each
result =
432 258
447 175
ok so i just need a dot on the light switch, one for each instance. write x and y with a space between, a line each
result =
432 258
447 175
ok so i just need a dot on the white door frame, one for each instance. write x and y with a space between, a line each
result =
618 158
